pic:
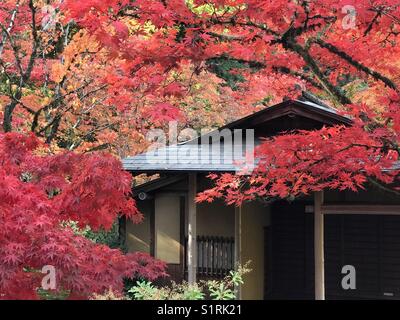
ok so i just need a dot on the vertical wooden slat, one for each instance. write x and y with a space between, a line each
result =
198 251
200 254
209 257
206 255
221 256
210 254
224 256
218 260
229 254
319 247
213 242
192 231
232 253
215 255
218 251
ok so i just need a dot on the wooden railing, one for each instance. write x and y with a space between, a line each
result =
215 256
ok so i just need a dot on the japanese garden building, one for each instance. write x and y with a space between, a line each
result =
298 249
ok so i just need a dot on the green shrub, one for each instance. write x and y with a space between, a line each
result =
214 289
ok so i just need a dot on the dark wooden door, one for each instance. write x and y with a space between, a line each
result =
289 253
370 243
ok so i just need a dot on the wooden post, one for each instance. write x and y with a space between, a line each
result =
238 244
319 246
192 232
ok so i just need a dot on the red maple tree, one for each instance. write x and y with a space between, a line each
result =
344 51
40 194
338 157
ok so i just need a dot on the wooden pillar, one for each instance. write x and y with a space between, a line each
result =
319 246
192 232
238 244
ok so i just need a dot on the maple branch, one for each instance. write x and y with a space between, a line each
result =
7 117
232 22
371 24
391 33
24 76
382 187
288 40
346 148
11 95
54 103
337 92
54 128
31 111
9 28
391 16
358 65
225 37
35 43
14 48
92 91
303 76
87 135
98 148
54 124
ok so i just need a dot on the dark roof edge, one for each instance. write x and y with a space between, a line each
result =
157 183
309 105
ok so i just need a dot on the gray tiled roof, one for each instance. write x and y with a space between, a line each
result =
191 156
188 157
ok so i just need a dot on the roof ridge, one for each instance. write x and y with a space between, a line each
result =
308 96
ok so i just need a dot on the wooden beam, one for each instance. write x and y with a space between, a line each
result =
360 209
319 246
192 232
357 209
238 244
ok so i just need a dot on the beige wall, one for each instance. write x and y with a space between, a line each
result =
167 228
218 219
215 219
254 217
138 235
